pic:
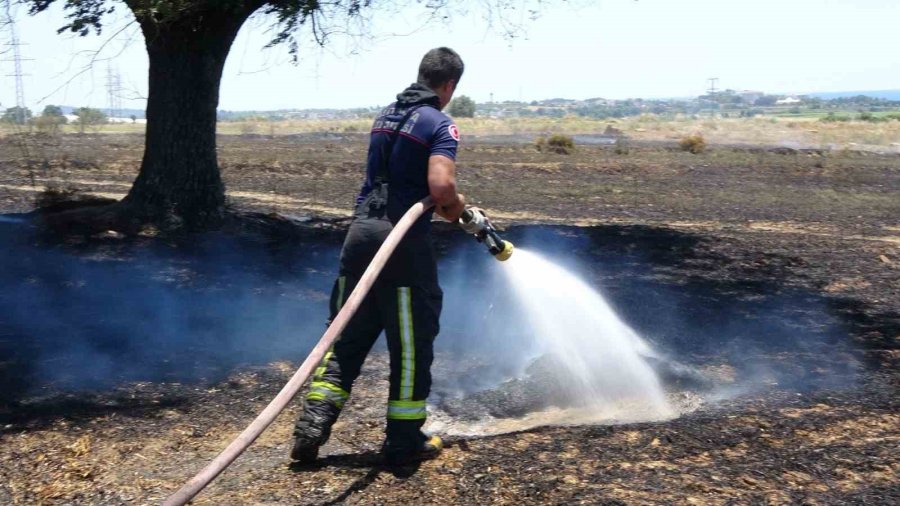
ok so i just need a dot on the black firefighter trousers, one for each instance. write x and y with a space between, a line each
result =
405 302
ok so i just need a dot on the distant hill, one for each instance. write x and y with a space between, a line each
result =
885 94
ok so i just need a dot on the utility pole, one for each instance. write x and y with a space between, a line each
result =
713 81
17 66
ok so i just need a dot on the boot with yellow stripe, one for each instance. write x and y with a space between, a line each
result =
406 447
313 429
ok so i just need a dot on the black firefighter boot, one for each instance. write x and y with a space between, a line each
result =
405 443
312 430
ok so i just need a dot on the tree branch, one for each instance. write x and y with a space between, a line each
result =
95 57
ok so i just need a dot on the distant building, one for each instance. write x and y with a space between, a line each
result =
115 119
788 101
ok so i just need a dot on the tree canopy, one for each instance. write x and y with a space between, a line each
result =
16 115
187 42
90 116
462 107
52 111
50 120
86 16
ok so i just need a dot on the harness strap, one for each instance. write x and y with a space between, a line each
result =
383 175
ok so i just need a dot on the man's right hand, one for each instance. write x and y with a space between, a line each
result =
452 211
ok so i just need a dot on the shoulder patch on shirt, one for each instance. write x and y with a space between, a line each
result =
454 132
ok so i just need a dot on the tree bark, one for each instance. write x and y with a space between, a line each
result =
179 184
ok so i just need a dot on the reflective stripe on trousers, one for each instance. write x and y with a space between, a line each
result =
325 391
321 390
406 410
407 344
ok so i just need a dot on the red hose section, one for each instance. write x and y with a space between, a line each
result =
268 415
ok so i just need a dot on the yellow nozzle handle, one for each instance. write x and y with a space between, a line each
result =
506 252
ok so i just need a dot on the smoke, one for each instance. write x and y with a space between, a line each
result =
95 316
710 334
154 311
743 334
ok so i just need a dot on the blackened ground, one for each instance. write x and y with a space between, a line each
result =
771 271
97 314
93 314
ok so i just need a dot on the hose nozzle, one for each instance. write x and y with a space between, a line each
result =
475 222
506 252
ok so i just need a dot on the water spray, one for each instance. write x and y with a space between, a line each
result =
600 360
475 222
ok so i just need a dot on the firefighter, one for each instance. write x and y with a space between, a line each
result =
411 155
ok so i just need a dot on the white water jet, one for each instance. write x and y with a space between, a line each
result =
600 360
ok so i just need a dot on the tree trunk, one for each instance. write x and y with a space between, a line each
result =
179 182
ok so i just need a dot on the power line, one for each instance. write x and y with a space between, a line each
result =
113 91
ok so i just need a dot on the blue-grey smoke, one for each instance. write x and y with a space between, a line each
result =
762 330
154 311
95 316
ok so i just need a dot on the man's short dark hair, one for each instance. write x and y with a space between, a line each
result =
439 66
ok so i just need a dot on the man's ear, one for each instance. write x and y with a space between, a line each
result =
448 87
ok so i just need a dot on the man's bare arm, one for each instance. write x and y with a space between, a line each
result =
449 204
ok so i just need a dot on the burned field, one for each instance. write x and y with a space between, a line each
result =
768 279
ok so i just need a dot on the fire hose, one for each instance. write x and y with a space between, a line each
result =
482 230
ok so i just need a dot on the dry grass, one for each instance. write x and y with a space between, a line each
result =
693 143
765 130
557 143
802 132
290 127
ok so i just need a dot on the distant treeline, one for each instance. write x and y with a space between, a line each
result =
727 103
731 104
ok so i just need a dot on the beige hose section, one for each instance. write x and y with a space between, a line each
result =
268 415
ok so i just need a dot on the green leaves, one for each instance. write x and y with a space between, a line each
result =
83 15
462 107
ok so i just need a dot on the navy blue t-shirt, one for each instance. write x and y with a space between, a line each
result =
427 132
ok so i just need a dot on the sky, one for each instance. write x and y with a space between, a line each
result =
609 48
